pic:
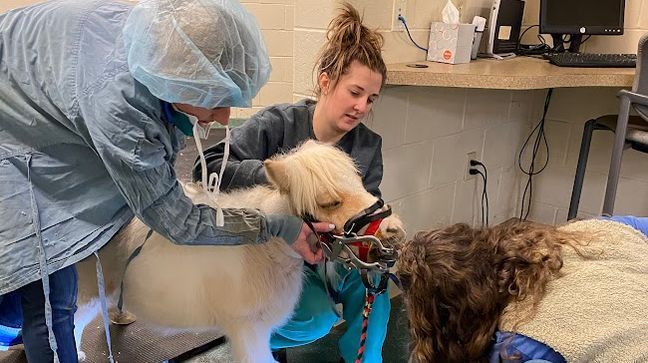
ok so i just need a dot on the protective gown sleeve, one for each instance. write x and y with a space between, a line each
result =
125 127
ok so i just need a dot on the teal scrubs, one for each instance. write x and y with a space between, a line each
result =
315 313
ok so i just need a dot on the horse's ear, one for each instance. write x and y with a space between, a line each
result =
277 173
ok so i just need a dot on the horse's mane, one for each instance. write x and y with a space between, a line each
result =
315 168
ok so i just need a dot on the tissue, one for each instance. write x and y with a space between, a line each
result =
450 13
450 41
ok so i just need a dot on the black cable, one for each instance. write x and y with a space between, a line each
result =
524 32
484 197
485 207
542 39
532 49
586 39
484 200
402 19
483 212
530 172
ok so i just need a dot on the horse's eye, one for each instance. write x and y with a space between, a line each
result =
331 205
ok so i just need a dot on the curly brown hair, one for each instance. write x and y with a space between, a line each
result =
458 280
348 40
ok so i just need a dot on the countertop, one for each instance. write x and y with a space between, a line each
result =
519 73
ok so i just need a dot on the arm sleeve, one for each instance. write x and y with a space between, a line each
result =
374 175
638 223
256 140
135 147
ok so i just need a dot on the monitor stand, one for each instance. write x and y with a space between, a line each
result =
575 41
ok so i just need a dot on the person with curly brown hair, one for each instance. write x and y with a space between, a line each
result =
524 291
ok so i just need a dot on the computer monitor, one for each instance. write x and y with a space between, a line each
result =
580 17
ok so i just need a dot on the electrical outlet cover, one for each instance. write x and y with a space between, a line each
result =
400 8
469 156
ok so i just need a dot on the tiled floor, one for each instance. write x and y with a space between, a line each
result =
325 350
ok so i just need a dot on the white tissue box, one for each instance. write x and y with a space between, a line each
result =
450 43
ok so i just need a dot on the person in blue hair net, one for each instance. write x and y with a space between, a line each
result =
96 98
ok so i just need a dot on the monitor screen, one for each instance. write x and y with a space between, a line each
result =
582 16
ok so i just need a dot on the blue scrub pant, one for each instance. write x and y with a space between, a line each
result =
315 314
63 295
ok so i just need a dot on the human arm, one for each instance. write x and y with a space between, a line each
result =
124 126
526 348
638 223
374 175
365 147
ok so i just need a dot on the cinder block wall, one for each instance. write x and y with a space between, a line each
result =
428 135
569 110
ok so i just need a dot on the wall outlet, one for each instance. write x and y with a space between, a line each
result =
400 9
469 156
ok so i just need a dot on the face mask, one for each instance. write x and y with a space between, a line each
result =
189 124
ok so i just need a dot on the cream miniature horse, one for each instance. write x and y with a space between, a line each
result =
243 291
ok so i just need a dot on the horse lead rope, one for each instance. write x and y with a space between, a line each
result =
369 300
370 296
372 219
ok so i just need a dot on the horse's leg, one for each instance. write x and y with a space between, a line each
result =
250 342
83 316
89 306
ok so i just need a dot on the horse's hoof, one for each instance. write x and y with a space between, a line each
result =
121 317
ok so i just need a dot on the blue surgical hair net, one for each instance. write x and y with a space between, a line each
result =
205 53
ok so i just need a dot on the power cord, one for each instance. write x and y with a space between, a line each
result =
402 20
526 30
532 49
530 172
543 46
485 208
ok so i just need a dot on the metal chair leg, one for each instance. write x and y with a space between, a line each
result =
617 153
586 141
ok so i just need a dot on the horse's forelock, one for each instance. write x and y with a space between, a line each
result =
319 168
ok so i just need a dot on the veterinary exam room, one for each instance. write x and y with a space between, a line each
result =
331 181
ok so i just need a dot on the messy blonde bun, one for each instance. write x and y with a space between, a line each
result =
348 40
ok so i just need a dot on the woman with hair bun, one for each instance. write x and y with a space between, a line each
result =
350 75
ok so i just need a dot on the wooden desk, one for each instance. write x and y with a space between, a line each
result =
519 73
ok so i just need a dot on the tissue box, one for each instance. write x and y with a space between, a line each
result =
450 43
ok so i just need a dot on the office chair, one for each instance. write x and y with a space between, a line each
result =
630 131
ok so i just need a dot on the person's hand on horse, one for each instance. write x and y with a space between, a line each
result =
306 243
